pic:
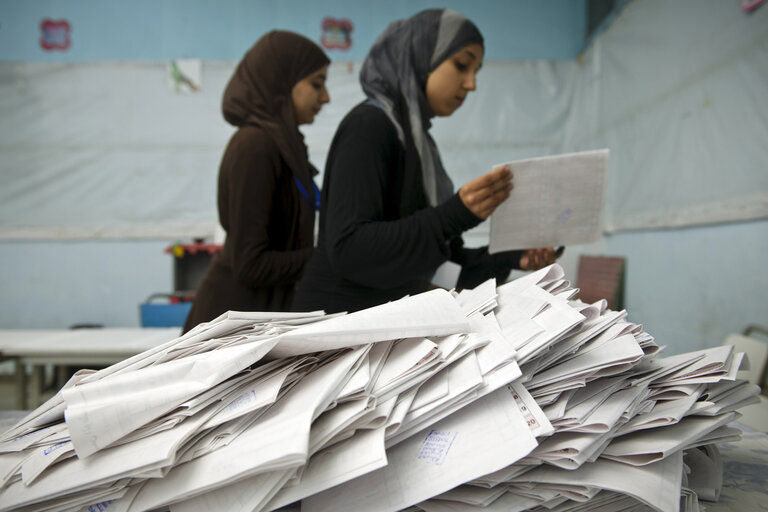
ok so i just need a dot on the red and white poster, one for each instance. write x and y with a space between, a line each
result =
55 35
337 34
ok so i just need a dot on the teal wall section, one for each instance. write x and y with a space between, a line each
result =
224 29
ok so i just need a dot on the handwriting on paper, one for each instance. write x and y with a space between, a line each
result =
436 446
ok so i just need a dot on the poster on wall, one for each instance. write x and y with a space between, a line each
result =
185 75
55 35
337 34
748 6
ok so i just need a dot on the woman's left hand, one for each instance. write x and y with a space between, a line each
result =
534 259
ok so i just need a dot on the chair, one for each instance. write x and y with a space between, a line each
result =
601 277
756 351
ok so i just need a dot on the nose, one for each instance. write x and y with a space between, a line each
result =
324 96
470 83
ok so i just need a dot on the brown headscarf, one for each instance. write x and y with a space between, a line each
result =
259 93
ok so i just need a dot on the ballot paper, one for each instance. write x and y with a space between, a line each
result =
343 462
481 438
556 200
648 446
99 413
511 398
706 478
106 466
433 313
471 495
657 485
506 503
280 441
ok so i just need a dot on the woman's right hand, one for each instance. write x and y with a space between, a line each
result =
534 259
482 195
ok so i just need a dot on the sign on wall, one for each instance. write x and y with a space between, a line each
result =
55 35
337 34
185 75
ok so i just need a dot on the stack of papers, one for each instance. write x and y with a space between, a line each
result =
499 398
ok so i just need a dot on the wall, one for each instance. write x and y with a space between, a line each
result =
223 30
692 287
675 90
688 285
57 285
108 85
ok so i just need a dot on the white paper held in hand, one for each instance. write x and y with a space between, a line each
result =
556 201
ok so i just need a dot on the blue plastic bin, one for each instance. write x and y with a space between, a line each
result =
172 314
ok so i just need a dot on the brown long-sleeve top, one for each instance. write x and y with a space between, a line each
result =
269 229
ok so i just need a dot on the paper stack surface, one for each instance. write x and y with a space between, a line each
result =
517 397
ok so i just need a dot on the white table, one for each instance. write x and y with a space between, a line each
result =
74 347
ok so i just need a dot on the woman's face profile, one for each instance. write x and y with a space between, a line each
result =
449 84
309 95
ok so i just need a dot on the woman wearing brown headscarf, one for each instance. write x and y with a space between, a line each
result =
266 195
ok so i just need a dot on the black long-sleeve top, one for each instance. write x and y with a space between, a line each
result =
379 239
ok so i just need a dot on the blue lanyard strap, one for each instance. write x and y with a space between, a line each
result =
305 194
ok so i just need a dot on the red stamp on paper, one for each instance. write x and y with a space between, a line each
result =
337 34
55 34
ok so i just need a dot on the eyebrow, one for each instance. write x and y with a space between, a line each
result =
471 54
475 58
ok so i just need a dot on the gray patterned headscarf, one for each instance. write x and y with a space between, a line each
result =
395 73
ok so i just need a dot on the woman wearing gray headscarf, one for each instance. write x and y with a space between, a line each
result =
389 216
